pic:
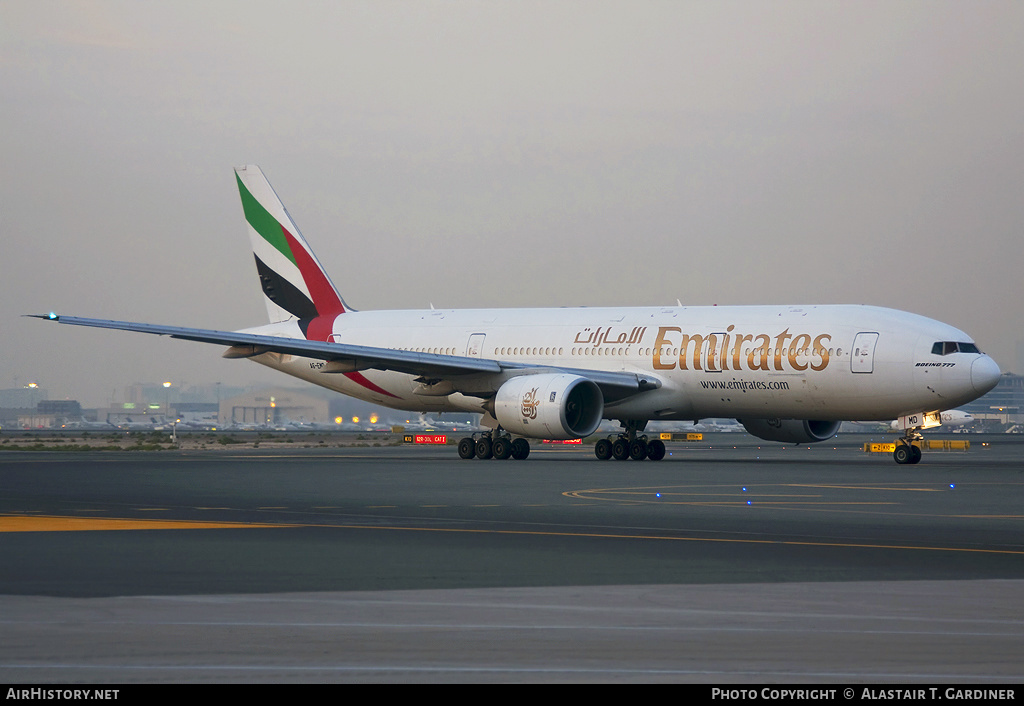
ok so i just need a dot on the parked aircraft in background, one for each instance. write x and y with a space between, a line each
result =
718 425
83 423
787 373
949 418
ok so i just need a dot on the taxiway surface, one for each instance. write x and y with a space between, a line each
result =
725 562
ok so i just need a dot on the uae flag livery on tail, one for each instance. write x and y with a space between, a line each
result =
293 281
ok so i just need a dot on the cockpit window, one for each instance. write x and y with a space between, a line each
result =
947 347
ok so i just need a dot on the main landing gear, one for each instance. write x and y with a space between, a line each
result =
496 444
629 444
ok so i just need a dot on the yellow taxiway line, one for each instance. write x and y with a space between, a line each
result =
43 523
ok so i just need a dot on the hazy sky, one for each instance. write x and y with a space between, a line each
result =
501 154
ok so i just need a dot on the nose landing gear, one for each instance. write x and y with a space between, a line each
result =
906 452
908 449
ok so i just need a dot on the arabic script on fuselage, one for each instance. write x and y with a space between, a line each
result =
724 350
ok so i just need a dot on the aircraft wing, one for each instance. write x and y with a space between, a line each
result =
614 384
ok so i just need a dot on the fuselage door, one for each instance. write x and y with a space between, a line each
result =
863 358
475 347
713 352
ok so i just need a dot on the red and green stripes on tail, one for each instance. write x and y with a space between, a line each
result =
305 292
293 281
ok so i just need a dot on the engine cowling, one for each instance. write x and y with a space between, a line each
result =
791 431
549 406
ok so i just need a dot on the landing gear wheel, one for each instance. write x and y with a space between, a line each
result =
656 450
902 454
483 448
502 448
915 454
467 448
520 449
603 449
620 449
638 450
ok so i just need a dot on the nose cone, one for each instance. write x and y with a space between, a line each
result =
984 374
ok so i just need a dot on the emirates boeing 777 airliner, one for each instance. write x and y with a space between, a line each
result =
787 373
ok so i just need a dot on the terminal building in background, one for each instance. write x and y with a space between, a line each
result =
213 405
1002 406
275 407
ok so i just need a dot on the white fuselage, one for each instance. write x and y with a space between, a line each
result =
798 362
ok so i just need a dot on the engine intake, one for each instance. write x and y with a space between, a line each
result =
791 431
549 406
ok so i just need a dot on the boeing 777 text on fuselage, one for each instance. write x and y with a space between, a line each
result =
787 373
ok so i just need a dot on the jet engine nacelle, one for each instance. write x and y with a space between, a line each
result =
791 431
549 406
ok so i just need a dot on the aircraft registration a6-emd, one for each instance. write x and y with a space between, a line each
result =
787 373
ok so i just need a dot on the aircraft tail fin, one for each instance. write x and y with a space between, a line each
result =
294 283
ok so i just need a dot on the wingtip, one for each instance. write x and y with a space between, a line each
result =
51 316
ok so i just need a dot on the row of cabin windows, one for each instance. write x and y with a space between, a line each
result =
940 348
528 351
645 352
